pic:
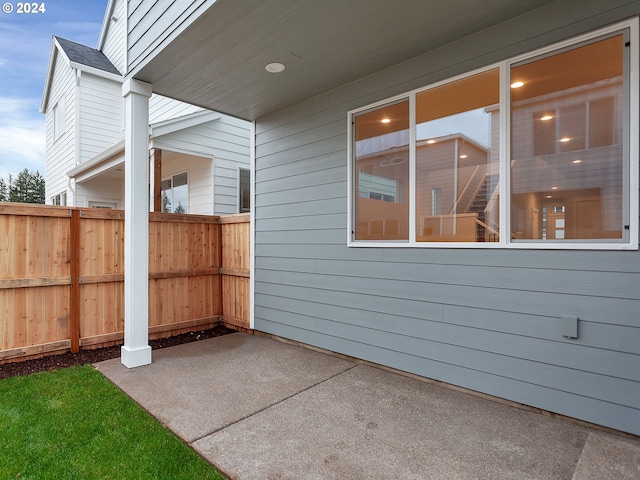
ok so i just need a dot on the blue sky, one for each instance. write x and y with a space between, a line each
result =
25 46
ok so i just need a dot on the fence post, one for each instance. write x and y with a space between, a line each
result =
74 267
157 180
219 261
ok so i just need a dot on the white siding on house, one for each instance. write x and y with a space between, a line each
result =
115 44
487 320
103 190
226 141
100 110
163 108
60 153
199 179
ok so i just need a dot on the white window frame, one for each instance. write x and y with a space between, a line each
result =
59 199
59 119
631 147
171 178
240 209
102 205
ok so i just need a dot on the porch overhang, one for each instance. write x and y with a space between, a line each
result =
218 61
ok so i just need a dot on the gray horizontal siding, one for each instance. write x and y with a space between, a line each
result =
153 23
484 319
560 401
605 310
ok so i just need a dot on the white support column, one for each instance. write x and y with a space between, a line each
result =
136 350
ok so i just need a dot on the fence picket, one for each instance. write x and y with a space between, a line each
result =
62 274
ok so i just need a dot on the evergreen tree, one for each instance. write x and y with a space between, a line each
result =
36 188
4 191
166 203
26 188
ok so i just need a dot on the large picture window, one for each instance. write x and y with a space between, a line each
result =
540 151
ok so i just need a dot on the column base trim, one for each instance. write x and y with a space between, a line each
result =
135 357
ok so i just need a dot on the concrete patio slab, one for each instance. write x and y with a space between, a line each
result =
262 409
198 388
369 423
608 456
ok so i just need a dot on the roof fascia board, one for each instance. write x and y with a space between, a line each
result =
97 72
174 124
55 50
106 22
93 162
100 168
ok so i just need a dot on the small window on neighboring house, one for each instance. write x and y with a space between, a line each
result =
60 199
103 205
58 119
175 194
244 193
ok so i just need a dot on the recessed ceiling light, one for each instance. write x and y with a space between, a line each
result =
554 188
385 120
274 67
576 161
565 139
463 156
546 117
548 196
431 141
517 84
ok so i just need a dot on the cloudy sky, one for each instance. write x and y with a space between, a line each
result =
25 46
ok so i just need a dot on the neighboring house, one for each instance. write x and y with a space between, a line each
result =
455 193
199 158
545 310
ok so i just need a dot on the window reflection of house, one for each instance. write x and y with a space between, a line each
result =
381 175
453 189
382 192
567 157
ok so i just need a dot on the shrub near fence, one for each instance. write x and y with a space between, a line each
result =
62 277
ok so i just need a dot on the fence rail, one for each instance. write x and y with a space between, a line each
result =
62 277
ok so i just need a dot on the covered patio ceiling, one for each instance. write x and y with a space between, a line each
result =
219 61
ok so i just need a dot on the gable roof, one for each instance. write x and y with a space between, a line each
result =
106 22
80 57
83 55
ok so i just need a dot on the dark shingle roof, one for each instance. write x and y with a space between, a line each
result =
86 56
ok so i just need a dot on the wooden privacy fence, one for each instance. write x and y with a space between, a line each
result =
62 277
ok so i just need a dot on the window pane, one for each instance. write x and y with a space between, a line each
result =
566 144
244 197
175 194
180 179
58 119
381 175
457 162
181 199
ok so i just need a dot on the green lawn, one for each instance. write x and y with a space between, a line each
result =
75 424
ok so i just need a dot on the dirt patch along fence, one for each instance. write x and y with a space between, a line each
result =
62 277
